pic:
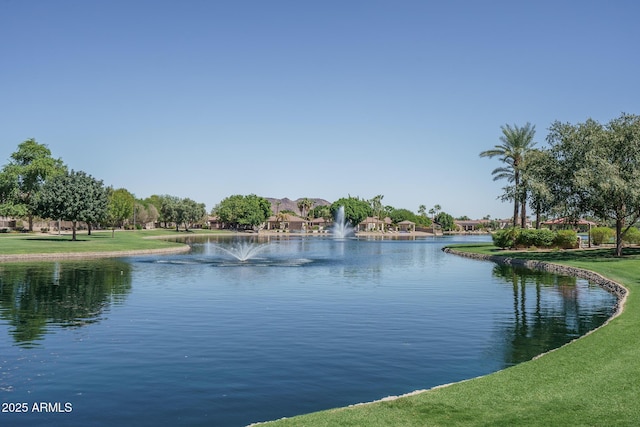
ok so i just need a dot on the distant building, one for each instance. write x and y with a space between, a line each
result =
406 226
471 225
287 222
578 224
7 222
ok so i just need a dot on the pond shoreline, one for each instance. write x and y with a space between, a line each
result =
90 255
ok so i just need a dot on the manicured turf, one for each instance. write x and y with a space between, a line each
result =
100 241
594 381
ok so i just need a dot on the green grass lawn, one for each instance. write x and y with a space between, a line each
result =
594 381
101 241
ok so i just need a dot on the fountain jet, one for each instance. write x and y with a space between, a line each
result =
243 251
341 228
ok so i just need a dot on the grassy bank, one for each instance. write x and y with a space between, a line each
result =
101 241
593 381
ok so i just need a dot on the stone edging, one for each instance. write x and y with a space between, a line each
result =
609 285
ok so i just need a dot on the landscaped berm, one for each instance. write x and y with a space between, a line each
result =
593 381
25 247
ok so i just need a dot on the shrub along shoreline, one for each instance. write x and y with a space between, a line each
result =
593 380
535 238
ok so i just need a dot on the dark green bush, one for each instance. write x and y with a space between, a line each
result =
600 235
566 239
505 238
542 238
632 236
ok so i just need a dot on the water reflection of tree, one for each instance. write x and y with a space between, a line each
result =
552 321
63 293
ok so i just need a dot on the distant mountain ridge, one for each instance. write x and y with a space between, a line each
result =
292 205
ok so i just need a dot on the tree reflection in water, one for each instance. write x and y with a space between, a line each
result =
546 322
34 296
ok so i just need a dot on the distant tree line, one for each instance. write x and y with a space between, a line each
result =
34 184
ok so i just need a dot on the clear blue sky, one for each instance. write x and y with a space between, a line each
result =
205 99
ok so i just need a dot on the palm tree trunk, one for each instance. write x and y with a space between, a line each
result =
516 202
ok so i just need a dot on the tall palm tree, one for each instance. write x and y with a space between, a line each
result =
376 205
516 142
305 205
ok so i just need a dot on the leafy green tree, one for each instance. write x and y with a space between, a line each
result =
376 206
139 216
171 210
445 221
322 211
399 215
386 210
96 211
120 206
73 196
241 212
537 174
10 197
23 177
422 217
355 209
157 202
422 220
516 142
152 213
598 170
143 213
193 212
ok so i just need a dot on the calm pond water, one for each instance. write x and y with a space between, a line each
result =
307 324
